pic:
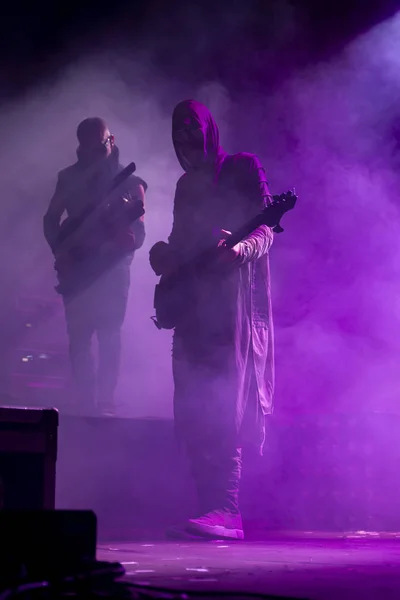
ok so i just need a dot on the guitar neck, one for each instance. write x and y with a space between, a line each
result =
244 231
76 228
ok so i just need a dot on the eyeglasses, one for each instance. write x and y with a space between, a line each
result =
109 139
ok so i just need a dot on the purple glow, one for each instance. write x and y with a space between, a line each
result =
327 130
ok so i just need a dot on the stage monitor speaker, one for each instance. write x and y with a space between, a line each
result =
45 544
28 456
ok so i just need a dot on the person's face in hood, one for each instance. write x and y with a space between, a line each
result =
195 135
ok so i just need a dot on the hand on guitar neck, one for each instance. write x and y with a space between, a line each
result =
223 254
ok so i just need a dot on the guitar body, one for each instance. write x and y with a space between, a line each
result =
172 296
89 244
75 269
169 303
80 264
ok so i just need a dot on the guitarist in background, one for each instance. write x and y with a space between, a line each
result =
101 306
223 364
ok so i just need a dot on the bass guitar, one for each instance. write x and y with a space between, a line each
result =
82 254
171 293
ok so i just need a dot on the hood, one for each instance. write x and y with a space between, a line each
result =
194 126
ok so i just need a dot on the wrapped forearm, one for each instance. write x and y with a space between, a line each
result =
255 245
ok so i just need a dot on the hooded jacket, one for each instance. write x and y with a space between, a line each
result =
228 333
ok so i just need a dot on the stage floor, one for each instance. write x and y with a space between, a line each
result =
317 566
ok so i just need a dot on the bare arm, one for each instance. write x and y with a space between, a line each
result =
52 218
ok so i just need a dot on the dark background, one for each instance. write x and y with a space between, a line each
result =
335 287
229 40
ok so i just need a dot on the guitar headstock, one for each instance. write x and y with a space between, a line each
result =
280 205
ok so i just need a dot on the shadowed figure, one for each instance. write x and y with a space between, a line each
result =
101 261
223 364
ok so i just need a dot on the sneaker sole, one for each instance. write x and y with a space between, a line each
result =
215 531
182 533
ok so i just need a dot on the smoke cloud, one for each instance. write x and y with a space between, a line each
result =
326 129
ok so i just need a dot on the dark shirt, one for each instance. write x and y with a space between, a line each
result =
78 192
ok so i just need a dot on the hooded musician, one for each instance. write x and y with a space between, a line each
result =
223 361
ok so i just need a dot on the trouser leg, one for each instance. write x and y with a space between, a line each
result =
110 319
80 331
109 339
216 472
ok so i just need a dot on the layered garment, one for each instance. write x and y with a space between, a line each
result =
223 361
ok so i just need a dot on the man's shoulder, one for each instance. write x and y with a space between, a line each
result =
181 183
243 159
240 167
182 180
134 180
244 156
68 172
